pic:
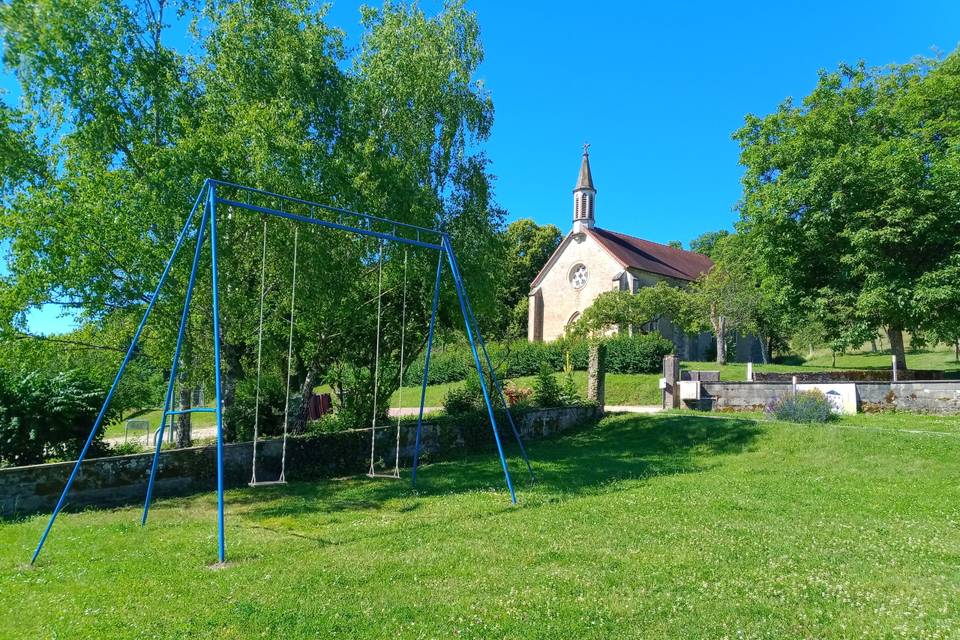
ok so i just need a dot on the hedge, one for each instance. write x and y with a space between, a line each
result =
625 354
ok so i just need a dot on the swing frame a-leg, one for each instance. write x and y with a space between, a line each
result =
367 225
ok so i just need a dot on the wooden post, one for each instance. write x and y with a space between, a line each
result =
671 373
597 374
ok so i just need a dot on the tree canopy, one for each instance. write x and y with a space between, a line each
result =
117 130
850 199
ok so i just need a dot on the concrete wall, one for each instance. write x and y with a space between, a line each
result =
931 396
123 479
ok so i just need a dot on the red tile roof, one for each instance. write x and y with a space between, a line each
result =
651 256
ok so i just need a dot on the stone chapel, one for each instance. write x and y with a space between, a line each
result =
591 260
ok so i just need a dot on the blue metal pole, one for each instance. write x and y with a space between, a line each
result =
462 296
499 388
426 369
174 366
212 212
116 380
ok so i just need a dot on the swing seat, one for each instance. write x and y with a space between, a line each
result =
265 483
383 475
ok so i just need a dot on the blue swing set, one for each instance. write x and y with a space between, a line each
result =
208 200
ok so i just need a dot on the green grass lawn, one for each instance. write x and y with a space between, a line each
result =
941 359
622 388
642 389
666 526
197 421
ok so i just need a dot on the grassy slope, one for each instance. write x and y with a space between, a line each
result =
648 526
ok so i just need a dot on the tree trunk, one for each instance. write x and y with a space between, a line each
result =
873 345
895 335
299 415
719 323
766 349
184 427
231 372
956 353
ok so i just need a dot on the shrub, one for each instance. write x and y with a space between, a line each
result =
546 392
126 448
239 417
637 354
805 407
466 398
625 354
44 418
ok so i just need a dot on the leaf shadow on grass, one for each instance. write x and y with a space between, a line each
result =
585 461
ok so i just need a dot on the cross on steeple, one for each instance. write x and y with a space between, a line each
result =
586 146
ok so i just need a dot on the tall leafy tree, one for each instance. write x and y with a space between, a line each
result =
271 99
851 196
707 241
526 247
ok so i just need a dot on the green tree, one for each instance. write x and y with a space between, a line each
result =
706 241
527 247
272 100
618 310
851 196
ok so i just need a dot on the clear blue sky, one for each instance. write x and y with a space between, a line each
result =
657 91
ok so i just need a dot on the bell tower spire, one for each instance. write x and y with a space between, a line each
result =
584 195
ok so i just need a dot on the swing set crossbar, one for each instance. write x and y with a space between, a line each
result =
369 218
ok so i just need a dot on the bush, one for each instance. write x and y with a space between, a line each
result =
637 354
805 407
625 354
465 399
126 448
44 418
546 392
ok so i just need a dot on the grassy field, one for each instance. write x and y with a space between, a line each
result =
666 526
197 420
642 389
622 388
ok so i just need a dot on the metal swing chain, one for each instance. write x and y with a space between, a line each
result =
376 365
286 408
256 402
403 331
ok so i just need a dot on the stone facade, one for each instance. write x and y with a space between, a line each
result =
556 302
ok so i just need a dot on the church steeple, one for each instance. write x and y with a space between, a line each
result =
584 195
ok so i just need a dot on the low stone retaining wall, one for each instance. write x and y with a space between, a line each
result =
123 479
928 396
865 375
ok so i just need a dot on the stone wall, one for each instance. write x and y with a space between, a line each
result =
865 375
930 396
123 479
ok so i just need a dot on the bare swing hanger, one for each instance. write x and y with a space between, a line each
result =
286 407
372 472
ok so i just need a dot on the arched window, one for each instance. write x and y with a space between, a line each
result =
573 318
